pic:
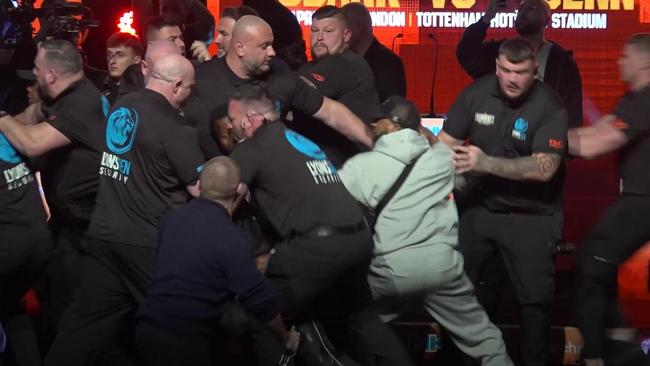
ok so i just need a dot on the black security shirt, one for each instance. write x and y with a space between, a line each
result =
147 160
293 182
215 82
537 123
348 79
70 174
634 112
20 202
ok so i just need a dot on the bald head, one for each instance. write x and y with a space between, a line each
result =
158 49
251 47
219 179
173 77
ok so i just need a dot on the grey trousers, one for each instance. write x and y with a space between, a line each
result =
434 276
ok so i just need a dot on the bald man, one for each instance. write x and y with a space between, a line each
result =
135 76
204 262
149 164
248 61
387 67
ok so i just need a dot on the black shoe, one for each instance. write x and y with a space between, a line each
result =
315 349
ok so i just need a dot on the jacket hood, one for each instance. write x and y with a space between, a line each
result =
404 145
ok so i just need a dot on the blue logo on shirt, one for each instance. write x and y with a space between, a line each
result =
7 152
120 130
304 145
106 106
520 128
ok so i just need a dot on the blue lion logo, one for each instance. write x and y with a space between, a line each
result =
304 145
7 152
120 130
521 125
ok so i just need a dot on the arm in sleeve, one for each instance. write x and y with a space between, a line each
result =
475 56
352 175
602 137
456 128
32 140
182 150
204 26
247 157
246 281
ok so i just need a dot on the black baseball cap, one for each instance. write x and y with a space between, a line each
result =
402 112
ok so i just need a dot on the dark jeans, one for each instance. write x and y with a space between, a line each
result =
23 254
325 279
622 230
525 244
115 281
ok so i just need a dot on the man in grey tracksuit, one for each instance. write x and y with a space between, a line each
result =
416 234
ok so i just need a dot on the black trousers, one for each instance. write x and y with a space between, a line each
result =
525 244
23 254
161 345
115 281
623 229
325 279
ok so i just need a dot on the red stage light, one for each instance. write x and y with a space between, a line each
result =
126 22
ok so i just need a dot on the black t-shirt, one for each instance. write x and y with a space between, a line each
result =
147 160
20 202
537 123
346 78
388 69
634 112
215 82
293 182
70 173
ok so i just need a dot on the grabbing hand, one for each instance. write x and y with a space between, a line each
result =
467 159
494 6
200 51
292 341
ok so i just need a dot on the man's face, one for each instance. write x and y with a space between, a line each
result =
328 36
118 59
173 9
257 51
226 26
172 34
224 135
631 63
515 79
237 116
44 77
532 18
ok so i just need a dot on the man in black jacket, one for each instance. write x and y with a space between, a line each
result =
556 66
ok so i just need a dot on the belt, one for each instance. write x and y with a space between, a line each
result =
322 231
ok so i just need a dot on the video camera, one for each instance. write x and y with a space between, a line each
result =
61 20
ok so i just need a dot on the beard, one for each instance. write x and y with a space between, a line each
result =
529 26
45 97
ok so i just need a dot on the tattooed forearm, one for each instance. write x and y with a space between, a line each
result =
540 166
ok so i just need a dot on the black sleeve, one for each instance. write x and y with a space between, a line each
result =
551 135
76 127
247 156
182 150
132 80
475 56
634 110
458 121
204 26
331 76
245 280
294 93
570 91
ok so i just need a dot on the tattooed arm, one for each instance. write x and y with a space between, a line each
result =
537 167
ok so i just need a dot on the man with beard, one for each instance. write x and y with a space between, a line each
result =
557 67
248 61
340 74
517 128
229 16
149 164
67 128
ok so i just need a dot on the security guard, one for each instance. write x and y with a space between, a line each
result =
149 164
624 227
320 270
67 128
340 74
516 128
248 61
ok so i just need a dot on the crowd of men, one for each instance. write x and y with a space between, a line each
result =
299 205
